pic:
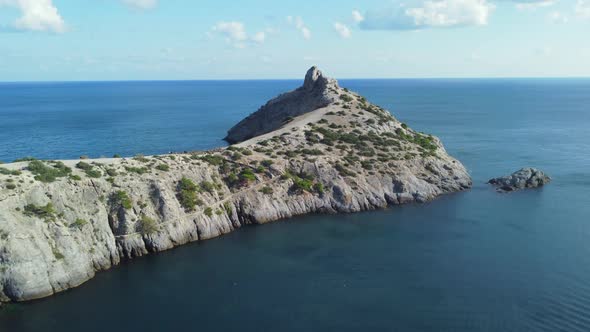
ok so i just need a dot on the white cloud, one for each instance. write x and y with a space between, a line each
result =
299 25
557 18
582 9
37 15
259 37
235 34
342 30
533 4
430 14
448 13
141 4
357 17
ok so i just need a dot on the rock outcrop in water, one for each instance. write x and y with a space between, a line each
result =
522 179
320 149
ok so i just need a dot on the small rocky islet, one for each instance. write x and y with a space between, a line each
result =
525 178
318 149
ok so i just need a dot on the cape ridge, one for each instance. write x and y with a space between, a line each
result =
319 148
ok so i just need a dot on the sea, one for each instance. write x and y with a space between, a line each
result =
471 261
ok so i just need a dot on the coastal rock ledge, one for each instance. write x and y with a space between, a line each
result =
318 149
522 179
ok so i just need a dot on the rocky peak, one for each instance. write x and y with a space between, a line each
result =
317 91
312 77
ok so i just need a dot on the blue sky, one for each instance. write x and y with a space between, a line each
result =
186 39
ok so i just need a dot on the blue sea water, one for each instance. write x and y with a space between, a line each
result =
472 261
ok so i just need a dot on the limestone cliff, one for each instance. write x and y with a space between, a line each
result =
319 148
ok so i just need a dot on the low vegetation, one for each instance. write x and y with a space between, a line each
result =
46 212
187 194
79 223
163 167
147 225
48 173
5 171
121 199
89 170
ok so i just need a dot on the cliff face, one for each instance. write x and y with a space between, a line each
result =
319 148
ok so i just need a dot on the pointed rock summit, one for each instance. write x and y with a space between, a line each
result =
313 76
317 91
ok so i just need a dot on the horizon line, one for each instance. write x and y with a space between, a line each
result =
299 79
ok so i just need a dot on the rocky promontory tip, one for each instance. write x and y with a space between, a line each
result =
318 149
316 92
522 179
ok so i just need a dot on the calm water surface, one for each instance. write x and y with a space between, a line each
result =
473 261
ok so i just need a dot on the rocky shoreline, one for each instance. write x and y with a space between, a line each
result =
320 148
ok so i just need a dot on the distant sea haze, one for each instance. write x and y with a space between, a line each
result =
473 261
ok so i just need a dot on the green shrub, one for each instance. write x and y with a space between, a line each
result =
214 160
346 98
111 172
57 254
163 167
302 184
116 155
267 163
141 158
227 207
266 190
92 173
405 126
79 223
120 198
187 194
208 187
75 177
147 225
46 212
343 170
25 159
83 166
247 175
209 212
89 170
232 179
137 170
319 188
367 164
10 186
47 174
5 171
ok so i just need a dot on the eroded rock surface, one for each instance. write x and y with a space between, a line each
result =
320 148
522 179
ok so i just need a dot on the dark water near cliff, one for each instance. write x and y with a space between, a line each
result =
474 261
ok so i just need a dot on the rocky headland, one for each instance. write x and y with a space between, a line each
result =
522 179
320 148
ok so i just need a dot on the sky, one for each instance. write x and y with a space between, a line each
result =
85 40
